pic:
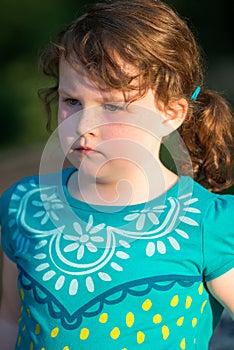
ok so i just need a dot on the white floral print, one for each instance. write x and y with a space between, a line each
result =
83 240
142 215
48 205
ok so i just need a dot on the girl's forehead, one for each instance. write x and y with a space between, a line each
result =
72 72
127 68
70 65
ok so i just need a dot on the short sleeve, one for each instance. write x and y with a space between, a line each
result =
5 222
218 237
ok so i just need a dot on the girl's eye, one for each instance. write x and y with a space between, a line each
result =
112 107
72 102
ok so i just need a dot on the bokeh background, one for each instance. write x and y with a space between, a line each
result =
26 28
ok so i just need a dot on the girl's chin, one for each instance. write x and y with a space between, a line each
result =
101 171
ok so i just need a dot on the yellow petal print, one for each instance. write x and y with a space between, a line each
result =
22 293
38 329
115 333
157 318
19 340
140 337
200 289
28 313
183 344
54 332
180 321
203 306
194 322
165 332
103 318
188 302
130 319
146 306
174 301
84 333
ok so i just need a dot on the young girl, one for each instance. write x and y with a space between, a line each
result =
120 252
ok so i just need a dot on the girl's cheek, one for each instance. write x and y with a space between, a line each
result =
117 131
112 131
63 114
65 111
60 118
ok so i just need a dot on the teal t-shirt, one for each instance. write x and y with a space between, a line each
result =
119 278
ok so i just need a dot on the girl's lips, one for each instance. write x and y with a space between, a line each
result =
85 150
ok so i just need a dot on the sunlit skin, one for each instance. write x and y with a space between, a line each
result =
110 140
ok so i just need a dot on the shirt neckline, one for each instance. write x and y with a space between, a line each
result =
176 190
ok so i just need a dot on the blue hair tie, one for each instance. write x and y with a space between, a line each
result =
195 93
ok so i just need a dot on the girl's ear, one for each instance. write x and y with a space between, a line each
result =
175 113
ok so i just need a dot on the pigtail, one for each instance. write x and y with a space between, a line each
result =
208 133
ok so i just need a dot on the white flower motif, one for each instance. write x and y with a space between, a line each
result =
49 205
85 239
141 215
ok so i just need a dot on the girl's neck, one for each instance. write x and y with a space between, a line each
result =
125 192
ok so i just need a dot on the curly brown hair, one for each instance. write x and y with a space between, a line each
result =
150 35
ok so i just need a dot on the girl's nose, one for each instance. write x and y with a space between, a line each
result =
88 121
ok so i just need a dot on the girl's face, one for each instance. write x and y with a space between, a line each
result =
102 135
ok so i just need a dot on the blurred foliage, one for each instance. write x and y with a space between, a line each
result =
27 26
212 22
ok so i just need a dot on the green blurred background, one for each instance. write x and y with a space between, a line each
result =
26 28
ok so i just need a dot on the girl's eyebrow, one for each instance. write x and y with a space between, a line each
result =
121 97
105 97
64 91
113 99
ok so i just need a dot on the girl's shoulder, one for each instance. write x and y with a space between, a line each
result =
216 210
220 206
214 203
